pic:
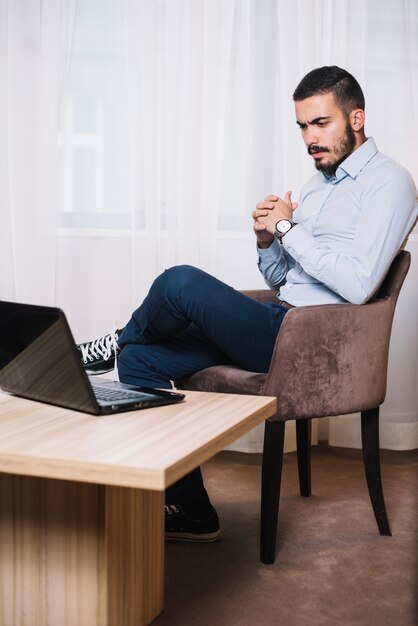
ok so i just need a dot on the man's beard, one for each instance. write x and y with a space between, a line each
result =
342 151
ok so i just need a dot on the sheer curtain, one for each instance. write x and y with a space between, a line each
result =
31 39
139 134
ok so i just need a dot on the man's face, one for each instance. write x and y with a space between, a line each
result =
326 131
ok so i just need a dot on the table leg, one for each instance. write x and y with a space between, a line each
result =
79 554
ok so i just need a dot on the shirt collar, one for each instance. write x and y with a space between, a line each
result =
355 162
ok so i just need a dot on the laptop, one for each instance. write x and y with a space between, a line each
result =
39 360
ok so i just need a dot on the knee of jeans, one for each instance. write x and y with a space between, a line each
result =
181 276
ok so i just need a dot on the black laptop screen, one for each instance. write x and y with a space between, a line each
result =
39 358
20 328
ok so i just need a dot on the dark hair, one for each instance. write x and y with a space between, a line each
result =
332 79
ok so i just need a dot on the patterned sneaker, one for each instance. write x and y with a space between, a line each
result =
179 526
99 356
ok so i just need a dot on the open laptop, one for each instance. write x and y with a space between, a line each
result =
39 360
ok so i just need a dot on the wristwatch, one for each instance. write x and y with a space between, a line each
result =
282 227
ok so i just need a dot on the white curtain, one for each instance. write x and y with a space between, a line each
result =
139 134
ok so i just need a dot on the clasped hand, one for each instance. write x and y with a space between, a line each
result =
268 213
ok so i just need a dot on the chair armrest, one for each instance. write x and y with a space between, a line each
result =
261 295
331 359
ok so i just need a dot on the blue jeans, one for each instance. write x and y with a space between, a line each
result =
190 321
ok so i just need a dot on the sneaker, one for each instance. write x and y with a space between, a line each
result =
99 356
179 526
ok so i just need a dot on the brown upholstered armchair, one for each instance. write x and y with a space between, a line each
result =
328 360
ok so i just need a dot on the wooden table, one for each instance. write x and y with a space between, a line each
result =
81 503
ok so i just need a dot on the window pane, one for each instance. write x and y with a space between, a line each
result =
84 181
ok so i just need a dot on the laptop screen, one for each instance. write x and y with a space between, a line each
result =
20 327
38 357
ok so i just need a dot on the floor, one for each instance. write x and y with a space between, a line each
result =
332 566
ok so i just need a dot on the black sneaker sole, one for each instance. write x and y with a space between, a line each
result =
97 372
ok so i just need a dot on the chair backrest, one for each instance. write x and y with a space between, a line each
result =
395 277
332 359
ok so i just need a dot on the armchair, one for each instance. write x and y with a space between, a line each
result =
328 360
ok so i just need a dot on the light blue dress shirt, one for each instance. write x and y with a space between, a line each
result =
348 230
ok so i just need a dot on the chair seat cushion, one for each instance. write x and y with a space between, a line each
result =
225 379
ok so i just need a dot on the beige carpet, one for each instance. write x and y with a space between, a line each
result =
332 566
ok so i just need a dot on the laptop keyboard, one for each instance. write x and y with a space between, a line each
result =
110 395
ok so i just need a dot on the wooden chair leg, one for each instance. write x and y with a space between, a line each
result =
371 458
303 445
270 488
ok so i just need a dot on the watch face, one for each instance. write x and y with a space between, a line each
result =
283 226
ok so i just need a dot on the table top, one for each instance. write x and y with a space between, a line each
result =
148 449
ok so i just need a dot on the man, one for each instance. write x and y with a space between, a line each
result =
335 246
